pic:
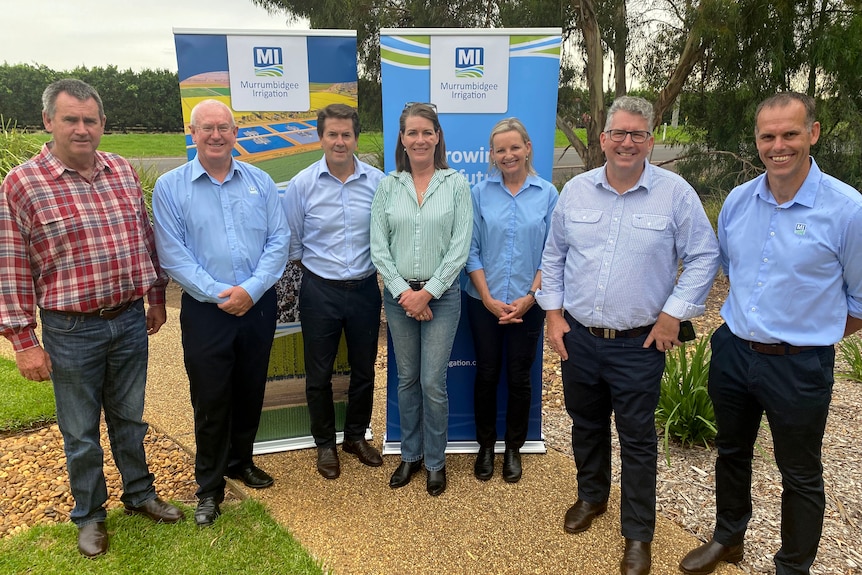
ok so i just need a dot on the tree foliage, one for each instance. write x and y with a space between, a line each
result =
148 99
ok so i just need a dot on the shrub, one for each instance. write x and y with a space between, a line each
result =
851 350
16 147
684 411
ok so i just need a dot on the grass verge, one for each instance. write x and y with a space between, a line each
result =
245 539
26 404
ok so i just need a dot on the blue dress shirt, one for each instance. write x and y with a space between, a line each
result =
213 235
330 221
509 233
611 260
795 269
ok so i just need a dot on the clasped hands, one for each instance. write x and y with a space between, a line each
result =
415 304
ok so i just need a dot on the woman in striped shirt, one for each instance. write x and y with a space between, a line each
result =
421 224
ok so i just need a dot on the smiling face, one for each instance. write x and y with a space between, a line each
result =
77 129
626 159
419 140
784 143
509 152
339 143
214 133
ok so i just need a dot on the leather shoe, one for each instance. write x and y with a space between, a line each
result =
207 511
93 539
367 454
637 558
511 465
252 476
405 471
706 558
436 482
157 510
483 469
327 462
580 516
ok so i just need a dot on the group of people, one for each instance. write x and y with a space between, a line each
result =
600 261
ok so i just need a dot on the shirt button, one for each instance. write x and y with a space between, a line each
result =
754 309
765 260
771 233
751 334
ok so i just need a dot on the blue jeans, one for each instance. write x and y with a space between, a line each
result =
422 350
100 364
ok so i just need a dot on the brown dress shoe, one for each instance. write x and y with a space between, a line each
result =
327 462
367 454
706 558
580 516
93 539
157 510
637 558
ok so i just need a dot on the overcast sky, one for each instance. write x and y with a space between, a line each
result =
64 34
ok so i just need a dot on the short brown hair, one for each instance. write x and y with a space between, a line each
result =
338 112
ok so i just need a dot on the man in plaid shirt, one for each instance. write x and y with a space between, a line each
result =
76 241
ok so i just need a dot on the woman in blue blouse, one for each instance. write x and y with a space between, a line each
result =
511 218
421 220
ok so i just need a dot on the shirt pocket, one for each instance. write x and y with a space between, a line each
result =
582 227
650 233
57 220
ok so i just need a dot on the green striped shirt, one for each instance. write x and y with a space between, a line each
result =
428 242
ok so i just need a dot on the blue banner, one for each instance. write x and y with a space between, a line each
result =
475 78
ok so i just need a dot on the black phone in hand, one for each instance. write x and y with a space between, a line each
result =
686 331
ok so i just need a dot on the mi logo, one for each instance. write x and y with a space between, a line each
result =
800 230
268 61
469 62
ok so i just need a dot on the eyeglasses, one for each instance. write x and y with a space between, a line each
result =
429 104
638 136
208 129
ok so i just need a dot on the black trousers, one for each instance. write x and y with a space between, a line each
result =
227 358
326 309
490 339
620 376
794 391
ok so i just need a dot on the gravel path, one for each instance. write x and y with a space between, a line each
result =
347 524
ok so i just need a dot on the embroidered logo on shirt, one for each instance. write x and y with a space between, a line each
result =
800 230
252 190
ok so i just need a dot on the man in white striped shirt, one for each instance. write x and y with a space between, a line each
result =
614 305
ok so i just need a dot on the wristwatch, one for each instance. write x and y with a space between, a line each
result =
532 293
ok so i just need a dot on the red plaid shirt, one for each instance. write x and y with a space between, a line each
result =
72 245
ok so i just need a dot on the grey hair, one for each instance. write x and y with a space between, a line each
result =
78 89
632 105
210 102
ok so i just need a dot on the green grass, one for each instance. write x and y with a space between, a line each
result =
137 145
245 539
25 404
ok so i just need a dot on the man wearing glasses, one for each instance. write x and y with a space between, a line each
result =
222 235
614 305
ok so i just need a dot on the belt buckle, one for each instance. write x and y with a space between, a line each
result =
609 333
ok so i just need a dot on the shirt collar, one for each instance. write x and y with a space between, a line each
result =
198 169
56 167
805 195
644 182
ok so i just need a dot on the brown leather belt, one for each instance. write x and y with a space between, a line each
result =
104 313
777 348
606 333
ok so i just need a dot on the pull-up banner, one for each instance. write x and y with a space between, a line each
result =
475 78
275 82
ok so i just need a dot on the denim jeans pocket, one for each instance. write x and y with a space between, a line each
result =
59 322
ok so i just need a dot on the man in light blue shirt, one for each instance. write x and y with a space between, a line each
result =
614 305
791 246
328 208
221 234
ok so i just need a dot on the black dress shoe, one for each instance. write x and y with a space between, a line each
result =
580 516
706 558
252 476
637 558
157 510
367 454
405 471
512 465
207 511
93 539
327 462
436 482
484 466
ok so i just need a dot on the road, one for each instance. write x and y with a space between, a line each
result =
566 162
